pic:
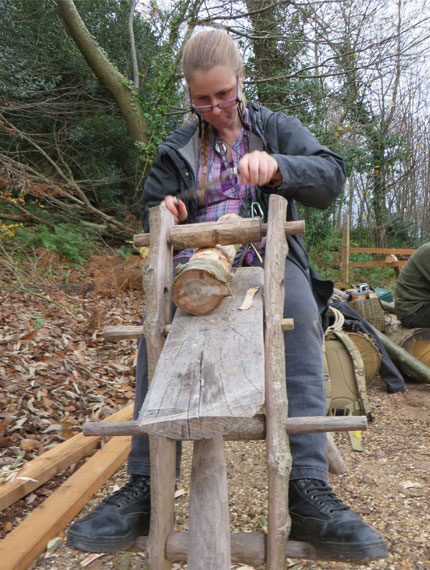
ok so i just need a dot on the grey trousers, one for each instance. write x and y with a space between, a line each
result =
420 319
305 382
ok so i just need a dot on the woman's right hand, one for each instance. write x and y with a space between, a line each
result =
176 207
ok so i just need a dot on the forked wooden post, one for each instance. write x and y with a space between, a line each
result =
157 281
278 449
345 249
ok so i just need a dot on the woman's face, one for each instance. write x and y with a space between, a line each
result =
212 87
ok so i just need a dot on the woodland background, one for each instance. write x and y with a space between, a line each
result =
88 89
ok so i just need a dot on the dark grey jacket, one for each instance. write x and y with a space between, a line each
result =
311 173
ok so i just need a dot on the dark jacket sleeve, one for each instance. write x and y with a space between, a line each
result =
170 174
311 173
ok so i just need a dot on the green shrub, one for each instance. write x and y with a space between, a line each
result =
69 242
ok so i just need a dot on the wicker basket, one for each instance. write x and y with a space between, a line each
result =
369 307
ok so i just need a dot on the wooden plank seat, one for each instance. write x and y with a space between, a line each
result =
211 370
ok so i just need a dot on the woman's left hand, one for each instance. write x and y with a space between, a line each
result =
257 168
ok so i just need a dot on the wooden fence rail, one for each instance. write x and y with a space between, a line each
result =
347 250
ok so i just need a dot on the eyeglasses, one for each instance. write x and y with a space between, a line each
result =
222 105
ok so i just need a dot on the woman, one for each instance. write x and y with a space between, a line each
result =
272 153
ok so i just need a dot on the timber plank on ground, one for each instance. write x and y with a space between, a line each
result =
29 539
49 464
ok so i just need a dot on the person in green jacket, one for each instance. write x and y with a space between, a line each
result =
412 294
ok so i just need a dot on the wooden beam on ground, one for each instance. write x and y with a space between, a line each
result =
49 464
29 539
278 448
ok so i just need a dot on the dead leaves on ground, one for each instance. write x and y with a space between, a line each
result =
57 371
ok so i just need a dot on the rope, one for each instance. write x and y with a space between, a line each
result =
337 325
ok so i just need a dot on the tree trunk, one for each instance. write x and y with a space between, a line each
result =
119 86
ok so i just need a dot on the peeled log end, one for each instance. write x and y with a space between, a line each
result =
198 291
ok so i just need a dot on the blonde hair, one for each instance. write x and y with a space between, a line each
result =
203 52
206 50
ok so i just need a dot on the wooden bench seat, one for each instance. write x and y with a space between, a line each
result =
211 370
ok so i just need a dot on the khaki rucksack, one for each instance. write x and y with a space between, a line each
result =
345 380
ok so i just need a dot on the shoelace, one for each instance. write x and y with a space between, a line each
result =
134 489
322 493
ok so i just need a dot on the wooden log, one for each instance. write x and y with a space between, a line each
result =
406 361
246 429
157 280
278 449
209 526
209 234
202 283
417 344
246 548
29 538
210 386
49 464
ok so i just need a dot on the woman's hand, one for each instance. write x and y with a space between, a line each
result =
176 207
257 168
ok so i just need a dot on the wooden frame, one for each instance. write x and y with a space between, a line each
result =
346 252
209 542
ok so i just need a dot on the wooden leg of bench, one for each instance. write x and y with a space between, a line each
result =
209 535
163 481
336 465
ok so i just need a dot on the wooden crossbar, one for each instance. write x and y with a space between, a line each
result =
246 548
210 234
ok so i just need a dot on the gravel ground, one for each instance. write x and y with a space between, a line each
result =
387 484
47 349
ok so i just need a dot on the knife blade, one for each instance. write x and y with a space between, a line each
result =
201 188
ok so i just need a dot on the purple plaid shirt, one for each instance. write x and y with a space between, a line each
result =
229 197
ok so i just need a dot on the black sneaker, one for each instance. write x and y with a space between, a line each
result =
335 531
117 521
